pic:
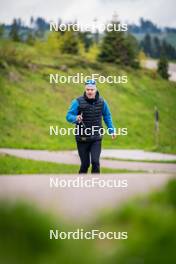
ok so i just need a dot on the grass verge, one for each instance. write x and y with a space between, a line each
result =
14 165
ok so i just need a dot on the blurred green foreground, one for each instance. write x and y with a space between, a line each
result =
150 222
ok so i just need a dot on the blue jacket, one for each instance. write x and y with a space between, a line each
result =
73 112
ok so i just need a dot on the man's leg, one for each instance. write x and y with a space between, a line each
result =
95 151
84 154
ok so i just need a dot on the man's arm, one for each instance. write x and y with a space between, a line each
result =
72 112
107 117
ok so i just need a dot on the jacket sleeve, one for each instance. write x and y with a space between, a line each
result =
72 111
107 117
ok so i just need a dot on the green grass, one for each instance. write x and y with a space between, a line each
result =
29 104
149 221
13 165
135 160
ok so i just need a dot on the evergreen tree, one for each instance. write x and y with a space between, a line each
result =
41 26
1 30
118 47
132 50
146 45
163 67
14 32
70 43
30 38
87 39
154 47
157 47
168 50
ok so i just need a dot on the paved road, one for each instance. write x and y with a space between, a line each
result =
136 154
152 64
78 204
69 157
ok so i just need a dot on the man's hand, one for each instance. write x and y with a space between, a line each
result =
114 136
79 118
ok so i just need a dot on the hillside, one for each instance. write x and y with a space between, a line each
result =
169 37
29 104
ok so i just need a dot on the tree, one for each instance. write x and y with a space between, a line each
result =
154 47
163 67
70 43
118 47
168 50
1 30
157 47
146 45
148 27
87 39
14 32
132 50
41 24
30 38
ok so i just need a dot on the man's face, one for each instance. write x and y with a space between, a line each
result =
90 92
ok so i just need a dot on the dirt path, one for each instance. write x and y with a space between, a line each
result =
78 204
69 157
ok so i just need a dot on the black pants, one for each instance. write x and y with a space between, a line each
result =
89 150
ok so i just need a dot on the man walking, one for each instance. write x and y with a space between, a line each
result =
86 112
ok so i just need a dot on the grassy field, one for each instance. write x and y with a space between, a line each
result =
14 165
29 104
149 221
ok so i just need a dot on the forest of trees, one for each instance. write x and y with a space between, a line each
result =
154 47
110 46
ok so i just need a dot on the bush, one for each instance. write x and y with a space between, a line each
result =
10 54
163 68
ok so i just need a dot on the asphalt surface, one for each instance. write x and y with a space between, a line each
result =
79 204
70 157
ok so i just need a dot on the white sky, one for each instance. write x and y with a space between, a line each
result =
160 12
